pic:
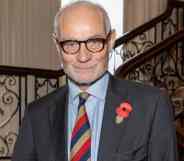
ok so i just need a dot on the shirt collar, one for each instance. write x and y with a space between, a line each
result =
74 90
98 89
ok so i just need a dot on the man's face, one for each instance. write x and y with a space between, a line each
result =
81 24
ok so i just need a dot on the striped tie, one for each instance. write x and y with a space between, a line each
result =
81 134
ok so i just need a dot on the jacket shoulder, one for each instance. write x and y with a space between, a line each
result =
48 100
134 86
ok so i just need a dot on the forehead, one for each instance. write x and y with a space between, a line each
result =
81 22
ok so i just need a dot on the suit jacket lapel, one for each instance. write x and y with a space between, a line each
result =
58 119
111 132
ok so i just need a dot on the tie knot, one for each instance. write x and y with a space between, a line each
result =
83 96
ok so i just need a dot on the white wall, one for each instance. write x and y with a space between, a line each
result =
115 11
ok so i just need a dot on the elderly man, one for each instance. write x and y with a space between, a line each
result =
95 117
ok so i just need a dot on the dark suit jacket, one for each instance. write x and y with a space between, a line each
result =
148 133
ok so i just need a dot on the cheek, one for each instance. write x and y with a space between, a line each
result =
67 59
102 58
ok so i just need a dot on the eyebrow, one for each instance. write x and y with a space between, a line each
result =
90 37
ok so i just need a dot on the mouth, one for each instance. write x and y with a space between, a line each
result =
84 68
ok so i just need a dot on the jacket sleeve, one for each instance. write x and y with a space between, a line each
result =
24 149
162 145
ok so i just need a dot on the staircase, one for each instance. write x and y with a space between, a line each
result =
152 54
18 87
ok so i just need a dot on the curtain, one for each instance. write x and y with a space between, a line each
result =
25 33
137 12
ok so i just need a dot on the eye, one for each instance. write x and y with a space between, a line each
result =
70 45
95 44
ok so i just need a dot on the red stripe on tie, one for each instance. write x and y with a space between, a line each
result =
82 150
79 124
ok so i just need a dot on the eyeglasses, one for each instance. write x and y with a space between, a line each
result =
93 45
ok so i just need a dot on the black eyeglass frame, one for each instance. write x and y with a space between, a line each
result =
104 41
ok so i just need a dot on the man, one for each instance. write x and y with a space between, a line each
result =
116 121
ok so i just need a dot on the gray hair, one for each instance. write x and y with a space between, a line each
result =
87 3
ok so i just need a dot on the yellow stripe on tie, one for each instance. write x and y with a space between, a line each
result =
80 142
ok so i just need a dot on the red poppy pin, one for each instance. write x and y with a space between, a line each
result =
123 111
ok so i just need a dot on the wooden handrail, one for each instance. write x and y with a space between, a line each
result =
180 131
146 26
23 71
138 60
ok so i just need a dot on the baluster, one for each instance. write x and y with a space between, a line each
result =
155 34
177 19
20 100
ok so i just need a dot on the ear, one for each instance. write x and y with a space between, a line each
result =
112 39
54 38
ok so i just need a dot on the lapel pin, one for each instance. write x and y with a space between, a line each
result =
123 111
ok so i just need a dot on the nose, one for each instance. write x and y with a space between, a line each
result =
84 55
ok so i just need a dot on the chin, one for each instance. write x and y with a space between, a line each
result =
81 80
84 78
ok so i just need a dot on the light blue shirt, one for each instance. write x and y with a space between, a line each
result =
94 108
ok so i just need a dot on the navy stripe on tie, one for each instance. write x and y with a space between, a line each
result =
86 156
81 102
79 134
